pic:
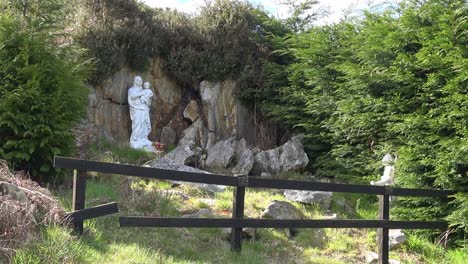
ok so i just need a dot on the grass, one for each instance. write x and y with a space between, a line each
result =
105 242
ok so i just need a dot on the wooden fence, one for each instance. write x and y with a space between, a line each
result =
237 222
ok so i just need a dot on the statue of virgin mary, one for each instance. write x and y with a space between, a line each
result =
139 114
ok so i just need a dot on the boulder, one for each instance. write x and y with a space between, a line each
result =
184 155
168 136
371 257
396 238
282 210
191 111
244 163
244 159
168 164
221 155
309 197
266 161
293 156
288 157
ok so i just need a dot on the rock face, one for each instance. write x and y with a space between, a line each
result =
220 107
168 136
309 197
290 156
108 107
177 107
191 111
194 135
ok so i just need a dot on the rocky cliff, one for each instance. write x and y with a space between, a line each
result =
208 109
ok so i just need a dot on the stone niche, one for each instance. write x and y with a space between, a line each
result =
108 106
213 105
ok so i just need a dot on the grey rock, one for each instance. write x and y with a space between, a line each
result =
266 161
245 163
265 175
191 111
13 192
202 213
194 135
281 210
371 257
288 157
168 164
309 197
220 106
168 135
293 156
185 154
396 238
247 233
221 154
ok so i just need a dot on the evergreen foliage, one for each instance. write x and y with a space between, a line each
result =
395 81
41 85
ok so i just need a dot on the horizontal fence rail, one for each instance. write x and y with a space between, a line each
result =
92 212
274 223
145 172
252 182
237 222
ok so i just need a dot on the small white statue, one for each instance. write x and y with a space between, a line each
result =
139 100
389 171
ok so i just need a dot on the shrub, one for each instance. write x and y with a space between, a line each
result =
41 86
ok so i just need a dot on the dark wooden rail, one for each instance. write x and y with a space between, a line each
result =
237 222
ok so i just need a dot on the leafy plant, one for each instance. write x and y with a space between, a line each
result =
42 87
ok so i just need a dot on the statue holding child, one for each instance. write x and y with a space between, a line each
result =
139 100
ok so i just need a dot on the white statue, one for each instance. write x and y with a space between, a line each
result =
389 171
139 100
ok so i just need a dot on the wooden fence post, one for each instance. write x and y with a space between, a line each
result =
238 212
79 188
384 214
